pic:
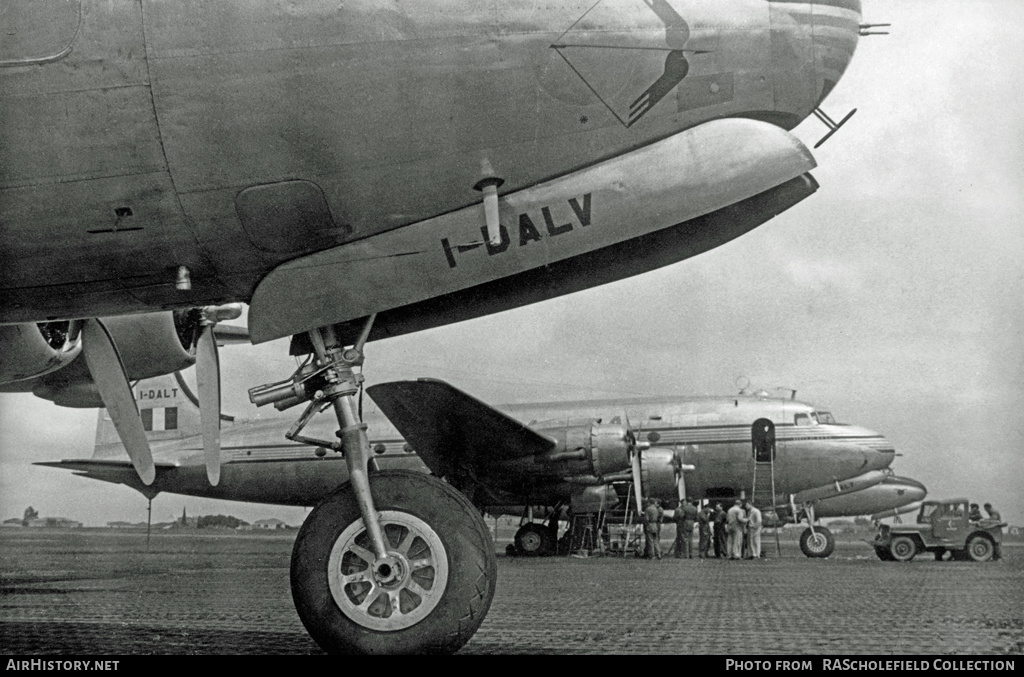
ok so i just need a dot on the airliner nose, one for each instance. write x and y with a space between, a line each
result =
836 29
879 451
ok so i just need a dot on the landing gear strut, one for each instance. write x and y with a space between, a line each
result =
393 562
816 541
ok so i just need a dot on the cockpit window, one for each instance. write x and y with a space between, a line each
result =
805 419
825 417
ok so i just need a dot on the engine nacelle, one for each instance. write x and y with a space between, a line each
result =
30 350
151 344
596 448
155 344
658 473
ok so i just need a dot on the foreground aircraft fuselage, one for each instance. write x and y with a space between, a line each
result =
231 137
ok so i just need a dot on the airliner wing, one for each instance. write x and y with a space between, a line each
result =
450 429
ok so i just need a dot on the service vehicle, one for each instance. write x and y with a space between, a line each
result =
941 527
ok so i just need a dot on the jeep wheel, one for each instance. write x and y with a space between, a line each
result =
903 548
980 548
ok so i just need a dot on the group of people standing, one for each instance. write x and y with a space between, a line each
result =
735 534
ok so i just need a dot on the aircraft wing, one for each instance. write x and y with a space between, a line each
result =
450 429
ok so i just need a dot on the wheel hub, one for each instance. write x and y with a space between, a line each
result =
390 572
396 591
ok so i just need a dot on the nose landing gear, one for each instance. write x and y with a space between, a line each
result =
393 562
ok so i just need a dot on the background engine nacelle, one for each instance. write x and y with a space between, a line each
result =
658 472
600 449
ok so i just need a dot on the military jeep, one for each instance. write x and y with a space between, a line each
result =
942 527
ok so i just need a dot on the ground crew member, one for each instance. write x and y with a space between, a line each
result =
736 522
975 513
704 521
994 515
652 529
685 519
719 522
754 525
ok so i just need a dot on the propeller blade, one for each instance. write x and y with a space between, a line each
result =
637 481
108 373
677 466
208 386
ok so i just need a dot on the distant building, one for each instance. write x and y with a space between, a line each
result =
272 523
53 523
120 525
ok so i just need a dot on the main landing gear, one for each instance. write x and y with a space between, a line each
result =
393 561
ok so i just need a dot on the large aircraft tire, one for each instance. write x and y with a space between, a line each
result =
818 544
534 540
434 597
980 548
902 548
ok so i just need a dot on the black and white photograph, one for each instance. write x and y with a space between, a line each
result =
513 327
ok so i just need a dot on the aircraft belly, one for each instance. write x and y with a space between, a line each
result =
82 168
689 174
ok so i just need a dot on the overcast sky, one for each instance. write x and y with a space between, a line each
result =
893 296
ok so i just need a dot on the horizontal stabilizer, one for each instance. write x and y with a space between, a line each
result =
89 463
449 428
108 470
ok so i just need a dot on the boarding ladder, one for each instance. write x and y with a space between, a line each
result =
762 494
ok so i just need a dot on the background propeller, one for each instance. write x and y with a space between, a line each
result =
634 461
680 469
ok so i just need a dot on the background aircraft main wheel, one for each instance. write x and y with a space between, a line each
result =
979 548
432 594
883 553
820 543
902 548
534 540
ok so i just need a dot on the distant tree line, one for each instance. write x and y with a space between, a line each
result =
220 521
